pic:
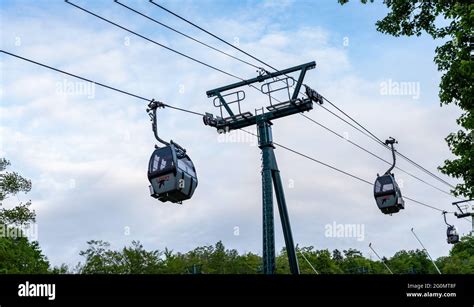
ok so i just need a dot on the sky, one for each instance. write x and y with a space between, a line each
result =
86 148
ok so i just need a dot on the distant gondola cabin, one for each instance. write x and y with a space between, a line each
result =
452 235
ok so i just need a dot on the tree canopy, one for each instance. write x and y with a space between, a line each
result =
216 259
17 253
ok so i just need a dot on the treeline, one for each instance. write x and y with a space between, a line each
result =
134 259
21 256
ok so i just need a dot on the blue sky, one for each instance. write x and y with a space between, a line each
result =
87 156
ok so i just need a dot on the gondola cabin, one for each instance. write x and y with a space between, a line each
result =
172 175
388 195
452 235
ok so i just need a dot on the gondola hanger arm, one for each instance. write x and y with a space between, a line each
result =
151 110
390 142
444 216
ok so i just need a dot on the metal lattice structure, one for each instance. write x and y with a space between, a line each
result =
271 179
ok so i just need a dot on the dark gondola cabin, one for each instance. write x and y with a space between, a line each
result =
172 175
388 195
452 235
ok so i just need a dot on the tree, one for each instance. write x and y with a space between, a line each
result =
454 57
337 256
216 259
355 263
11 183
406 262
17 254
320 259
100 259
461 258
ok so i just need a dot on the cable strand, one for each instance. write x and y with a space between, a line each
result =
185 35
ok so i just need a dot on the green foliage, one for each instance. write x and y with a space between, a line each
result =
461 258
321 260
13 183
4 163
19 215
62 269
337 256
405 262
464 248
17 254
100 259
454 58
216 259
355 263
363 1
